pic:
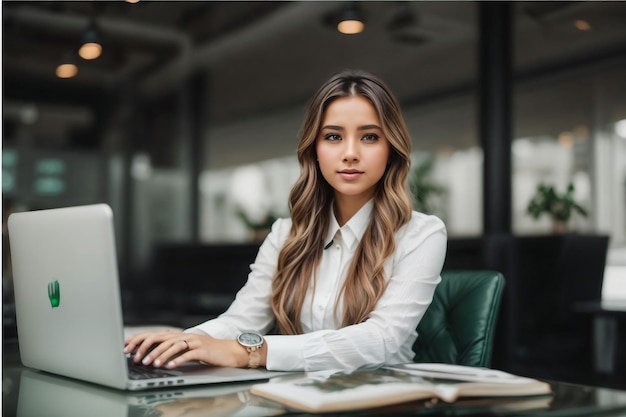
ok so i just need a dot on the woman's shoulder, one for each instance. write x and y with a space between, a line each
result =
281 227
420 218
279 231
422 224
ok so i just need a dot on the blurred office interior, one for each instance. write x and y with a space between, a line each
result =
187 124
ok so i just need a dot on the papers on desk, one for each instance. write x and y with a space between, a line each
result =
461 373
340 391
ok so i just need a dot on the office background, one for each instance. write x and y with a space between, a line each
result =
188 121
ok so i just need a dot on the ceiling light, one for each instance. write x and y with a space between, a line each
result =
91 47
566 139
350 22
582 25
67 68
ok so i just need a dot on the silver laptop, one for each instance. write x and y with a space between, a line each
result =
68 304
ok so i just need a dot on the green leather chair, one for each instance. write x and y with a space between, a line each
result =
459 326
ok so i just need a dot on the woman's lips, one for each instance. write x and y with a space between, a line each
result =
350 174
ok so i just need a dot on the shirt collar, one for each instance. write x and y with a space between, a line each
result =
354 228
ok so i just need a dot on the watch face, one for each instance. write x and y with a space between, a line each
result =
250 339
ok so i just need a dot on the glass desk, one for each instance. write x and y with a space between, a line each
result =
28 393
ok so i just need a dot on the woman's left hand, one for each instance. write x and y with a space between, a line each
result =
172 349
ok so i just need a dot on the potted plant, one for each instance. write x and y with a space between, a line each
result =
423 188
251 200
558 206
259 229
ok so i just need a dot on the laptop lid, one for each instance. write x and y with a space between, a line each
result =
67 297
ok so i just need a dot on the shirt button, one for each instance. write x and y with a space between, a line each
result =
320 307
338 247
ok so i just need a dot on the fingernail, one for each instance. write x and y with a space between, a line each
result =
146 360
157 363
171 364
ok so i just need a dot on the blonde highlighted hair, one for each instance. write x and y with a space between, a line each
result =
310 203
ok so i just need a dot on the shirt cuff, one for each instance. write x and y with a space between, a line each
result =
285 353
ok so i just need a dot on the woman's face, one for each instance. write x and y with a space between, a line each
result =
351 149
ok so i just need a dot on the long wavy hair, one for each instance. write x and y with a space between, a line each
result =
310 201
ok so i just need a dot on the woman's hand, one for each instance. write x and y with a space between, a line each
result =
171 349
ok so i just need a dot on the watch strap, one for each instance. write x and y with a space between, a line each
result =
254 358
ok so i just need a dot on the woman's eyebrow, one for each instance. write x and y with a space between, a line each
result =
364 127
368 127
332 127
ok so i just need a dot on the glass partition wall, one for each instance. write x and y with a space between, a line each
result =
568 128
566 131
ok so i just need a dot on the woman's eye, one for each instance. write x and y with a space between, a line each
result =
370 137
332 136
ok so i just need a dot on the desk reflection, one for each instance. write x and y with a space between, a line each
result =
47 395
28 393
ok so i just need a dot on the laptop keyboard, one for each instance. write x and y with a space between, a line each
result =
138 371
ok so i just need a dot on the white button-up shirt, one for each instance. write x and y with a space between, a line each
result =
386 337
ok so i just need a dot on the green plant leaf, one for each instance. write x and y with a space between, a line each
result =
557 206
423 188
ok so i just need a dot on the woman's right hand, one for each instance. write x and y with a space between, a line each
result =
171 349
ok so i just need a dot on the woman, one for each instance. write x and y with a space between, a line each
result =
347 278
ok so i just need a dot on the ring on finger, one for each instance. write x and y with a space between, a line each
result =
186 344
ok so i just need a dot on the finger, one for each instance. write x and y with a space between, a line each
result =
157 346
144 350
138 337
131 344
181 359
147 352
133 341
175 349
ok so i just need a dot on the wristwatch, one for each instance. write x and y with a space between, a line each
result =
252 341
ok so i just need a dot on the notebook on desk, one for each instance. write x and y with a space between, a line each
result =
68 303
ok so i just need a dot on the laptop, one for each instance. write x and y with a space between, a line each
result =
68 303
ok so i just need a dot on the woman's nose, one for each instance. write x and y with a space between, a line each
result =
351 150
